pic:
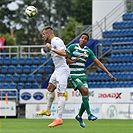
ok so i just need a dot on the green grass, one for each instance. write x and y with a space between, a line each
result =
69 126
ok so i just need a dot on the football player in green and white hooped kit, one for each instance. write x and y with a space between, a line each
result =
76 58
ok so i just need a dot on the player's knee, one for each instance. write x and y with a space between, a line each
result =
51 87
84 91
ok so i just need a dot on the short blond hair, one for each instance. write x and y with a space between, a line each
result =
47 28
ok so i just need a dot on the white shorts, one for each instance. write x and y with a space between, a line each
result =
59 78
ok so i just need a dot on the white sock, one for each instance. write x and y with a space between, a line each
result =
50 100
61 106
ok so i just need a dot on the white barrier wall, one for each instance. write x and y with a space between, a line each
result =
105 103
71 110
7 109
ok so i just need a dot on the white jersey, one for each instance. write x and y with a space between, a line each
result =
58 60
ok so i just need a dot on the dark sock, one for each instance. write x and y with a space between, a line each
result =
82 109
86 104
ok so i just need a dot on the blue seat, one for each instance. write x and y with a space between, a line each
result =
35 86
4 69
2 78
19 69
1 61
33 68
23 77
20 86
41 69
29 61
16 78
26 69
7 61
50 62
13 85
11 93
30 78
43 59
21 61
8 78
129 76
0 86
130 83
37 60
11 69
5 86
27 85
48 76
14 61
38 77
48 69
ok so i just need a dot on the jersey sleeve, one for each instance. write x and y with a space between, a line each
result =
58 44
70 49
91 54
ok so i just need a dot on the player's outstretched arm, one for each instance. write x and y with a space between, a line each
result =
104 68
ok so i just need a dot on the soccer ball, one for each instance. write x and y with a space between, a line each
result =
31 11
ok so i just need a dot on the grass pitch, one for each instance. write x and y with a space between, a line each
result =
70 126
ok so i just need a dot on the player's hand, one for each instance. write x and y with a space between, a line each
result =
49 45
77 59
111 76
42 52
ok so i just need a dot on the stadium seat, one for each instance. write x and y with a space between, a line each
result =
11 69
0 87
27 85
33 68
20 86
43 59
10 93
50 62
26 69
13 85
1 61
2 78
35 86
23 78
5 86
41 69
16 78
48 69
19 69
38 78
30 78
48 76
8 78
7 60
14 61
28 61
4 69
37 60
21 61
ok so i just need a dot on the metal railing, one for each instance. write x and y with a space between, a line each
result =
121 50
12 94
23 51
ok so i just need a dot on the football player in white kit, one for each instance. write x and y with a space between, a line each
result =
59 77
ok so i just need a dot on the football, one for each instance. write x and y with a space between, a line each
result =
31 11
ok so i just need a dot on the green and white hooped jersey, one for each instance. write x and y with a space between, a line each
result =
75 51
